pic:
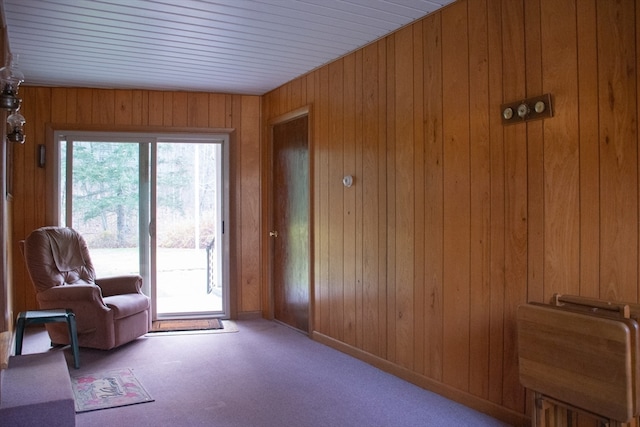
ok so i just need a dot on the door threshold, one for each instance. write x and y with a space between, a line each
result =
189 316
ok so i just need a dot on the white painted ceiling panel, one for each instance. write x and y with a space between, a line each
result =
228 46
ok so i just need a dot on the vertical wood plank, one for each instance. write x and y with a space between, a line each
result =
535 156
383 171
6 291
296 94
19 203
180 109
618 155
349 197
336 199
390 116
419 282
371 192
249 186
71 106
637 70
266 157
217 111
285 100
561 158
433 195
480 173
235 201
84 102
43 115
456 181
156 108
228 111
59 99
589 149
36 190
167 109
310 80
535 163
123 105
497 178
404 197
140 107
322 139
103 106
515 139
198 109
359 231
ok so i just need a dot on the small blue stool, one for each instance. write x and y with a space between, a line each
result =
49 316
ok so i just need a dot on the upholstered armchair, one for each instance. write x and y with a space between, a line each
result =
109 311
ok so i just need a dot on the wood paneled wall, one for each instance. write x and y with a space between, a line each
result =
6 321
139 110
454 219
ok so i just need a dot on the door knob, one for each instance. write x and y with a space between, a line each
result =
273 234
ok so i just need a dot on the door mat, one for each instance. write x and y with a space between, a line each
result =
228 327
186 325
108 389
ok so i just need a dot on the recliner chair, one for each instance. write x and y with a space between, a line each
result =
109 312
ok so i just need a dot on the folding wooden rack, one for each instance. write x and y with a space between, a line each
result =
582 355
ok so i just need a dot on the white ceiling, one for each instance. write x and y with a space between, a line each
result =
231 46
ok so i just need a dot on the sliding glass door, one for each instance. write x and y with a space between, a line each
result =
153 205
188 228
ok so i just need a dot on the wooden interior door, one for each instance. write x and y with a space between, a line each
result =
290 223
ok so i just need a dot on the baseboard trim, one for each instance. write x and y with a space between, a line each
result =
499 412
249 315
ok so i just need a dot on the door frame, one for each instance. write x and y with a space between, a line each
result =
269 310
55 134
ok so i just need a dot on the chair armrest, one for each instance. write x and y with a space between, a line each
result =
118 285
71 293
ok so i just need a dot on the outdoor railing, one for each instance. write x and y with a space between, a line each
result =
210 264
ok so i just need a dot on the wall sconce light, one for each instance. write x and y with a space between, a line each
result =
539 107
15 131
42 155
10 77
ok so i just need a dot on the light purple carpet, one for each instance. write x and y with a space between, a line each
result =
264 375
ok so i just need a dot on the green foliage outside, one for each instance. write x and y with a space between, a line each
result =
106 188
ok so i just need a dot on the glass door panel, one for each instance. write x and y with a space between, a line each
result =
188 200
105 187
